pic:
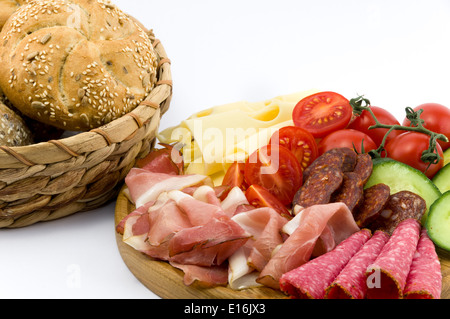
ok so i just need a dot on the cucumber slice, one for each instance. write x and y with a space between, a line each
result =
399 177
442 179
438 222
447 156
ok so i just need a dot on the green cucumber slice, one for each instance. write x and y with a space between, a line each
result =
447 156
442 179
399 177
438 222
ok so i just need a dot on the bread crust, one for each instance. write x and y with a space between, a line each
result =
7 8
13 130
76 65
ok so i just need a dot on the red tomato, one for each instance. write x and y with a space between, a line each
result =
347 138
408 147
275 168
322 113
365 120
258 196
300 142
437 119
235 176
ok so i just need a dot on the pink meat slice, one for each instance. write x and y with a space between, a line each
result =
298 247
145 186
351 282
205 277
425 277
264 224
311 279
386 276
207 245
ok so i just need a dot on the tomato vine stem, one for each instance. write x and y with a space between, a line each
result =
430 155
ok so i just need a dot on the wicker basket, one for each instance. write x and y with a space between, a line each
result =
50 180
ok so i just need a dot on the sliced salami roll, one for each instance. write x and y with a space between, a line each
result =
351 191
425 278
344 159
375 199
311 279
351 282
386 276
363 167
319 187
400 206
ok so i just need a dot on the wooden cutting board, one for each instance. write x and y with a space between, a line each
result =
167 281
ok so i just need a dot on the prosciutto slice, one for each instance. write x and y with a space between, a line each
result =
264 224
297 249
145 186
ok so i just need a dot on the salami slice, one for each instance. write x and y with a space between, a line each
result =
319 187
425 278
311 279
351 282
386 276
343 159
363 167
351 191
374 200
401 206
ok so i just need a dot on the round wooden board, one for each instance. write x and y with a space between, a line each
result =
167 281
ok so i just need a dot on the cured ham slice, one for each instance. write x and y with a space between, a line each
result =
234 201
209 244
205 277
297 249
351 282
386 276
311 279
145 186
264 224
424 278
166 219
240 274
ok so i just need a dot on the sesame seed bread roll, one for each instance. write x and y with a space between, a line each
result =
75 65
7 8
13 130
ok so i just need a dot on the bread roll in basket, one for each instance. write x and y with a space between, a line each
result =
85 66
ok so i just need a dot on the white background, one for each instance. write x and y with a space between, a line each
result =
396 53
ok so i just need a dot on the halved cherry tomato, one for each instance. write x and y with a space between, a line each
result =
299 141
322 113
235 176
437 119
408 147
347 138
258 196
365 120
275 168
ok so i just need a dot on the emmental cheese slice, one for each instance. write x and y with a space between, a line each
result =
214 138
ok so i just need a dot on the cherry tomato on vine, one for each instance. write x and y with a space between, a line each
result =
299 141
275 168
365 120
258 196
408 147
347 138
437 119
322 113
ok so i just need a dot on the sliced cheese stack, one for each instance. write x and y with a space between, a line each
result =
215 138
